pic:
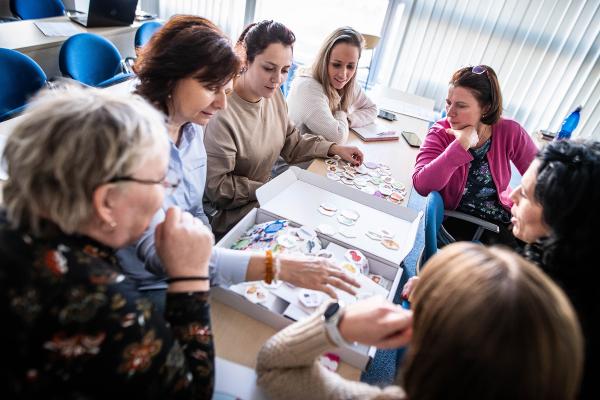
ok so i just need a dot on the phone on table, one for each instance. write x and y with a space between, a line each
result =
412 139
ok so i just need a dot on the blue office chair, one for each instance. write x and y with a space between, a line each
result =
145 32
32 9
20 78
92 60
435 233
285 87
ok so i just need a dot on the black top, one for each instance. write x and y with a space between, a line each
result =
480 197
74 327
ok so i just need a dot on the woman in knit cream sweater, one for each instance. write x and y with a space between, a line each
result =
325 99
486 325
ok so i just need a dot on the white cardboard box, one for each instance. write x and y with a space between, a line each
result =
296 195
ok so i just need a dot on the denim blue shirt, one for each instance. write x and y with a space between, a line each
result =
140 261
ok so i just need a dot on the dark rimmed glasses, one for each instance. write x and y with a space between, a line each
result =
170 182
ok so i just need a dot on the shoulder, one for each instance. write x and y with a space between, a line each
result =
509 127
307 85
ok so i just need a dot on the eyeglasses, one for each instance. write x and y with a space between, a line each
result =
170 182
479 69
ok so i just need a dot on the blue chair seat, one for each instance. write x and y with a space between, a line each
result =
145 32
33 9
20 78
90 59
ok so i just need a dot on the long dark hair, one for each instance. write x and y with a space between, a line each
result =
186 46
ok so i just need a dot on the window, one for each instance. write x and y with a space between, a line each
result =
312 20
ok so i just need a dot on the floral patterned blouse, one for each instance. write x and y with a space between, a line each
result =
73 327
480 197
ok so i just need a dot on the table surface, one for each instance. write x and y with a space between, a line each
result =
398 155
25 36
238 337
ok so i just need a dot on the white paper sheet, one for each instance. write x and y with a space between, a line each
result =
58 28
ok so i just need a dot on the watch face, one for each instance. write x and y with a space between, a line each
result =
331 310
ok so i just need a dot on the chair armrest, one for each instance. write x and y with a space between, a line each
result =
474 220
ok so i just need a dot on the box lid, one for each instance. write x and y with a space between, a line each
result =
297 194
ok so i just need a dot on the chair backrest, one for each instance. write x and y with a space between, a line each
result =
285 87
90 59
145 32
20 77
434 216
32 9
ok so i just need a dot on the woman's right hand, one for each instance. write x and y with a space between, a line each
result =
183 244
467 136
315 273
376 322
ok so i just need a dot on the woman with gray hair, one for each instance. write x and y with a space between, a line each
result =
87 171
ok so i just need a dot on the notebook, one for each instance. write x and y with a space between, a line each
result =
376 133
107 13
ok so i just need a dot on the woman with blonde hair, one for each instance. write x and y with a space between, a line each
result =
325 98
486 324
87 172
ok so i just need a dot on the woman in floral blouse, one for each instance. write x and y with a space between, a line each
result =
87 171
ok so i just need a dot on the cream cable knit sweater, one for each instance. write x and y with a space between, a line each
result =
287 367
308 108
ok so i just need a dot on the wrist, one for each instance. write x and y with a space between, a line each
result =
188 286
332 317
332 150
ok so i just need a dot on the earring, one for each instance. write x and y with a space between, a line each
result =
110 226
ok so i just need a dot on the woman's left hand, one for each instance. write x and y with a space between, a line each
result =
352 154
315 273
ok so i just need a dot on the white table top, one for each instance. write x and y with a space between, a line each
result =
25 36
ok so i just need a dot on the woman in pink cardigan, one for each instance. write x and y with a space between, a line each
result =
466 157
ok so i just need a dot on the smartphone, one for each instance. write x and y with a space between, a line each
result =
412 139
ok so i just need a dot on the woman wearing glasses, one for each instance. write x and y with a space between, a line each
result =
86 170
466 156
186 71
325 99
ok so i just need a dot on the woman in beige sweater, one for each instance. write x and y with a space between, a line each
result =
244 141
325 98
486 325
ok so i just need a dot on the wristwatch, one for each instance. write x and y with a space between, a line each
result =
332 317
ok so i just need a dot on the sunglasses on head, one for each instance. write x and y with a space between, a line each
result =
478 69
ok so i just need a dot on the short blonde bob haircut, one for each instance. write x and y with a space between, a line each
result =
320 67
488 324
71 141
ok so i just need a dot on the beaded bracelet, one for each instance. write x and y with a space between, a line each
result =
268 267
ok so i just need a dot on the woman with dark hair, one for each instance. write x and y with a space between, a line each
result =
486 324
466 156
555 212
325 98
186 71
244 141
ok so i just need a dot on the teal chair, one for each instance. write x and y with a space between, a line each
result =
33 9
20 78
92 60
145 32
436 234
